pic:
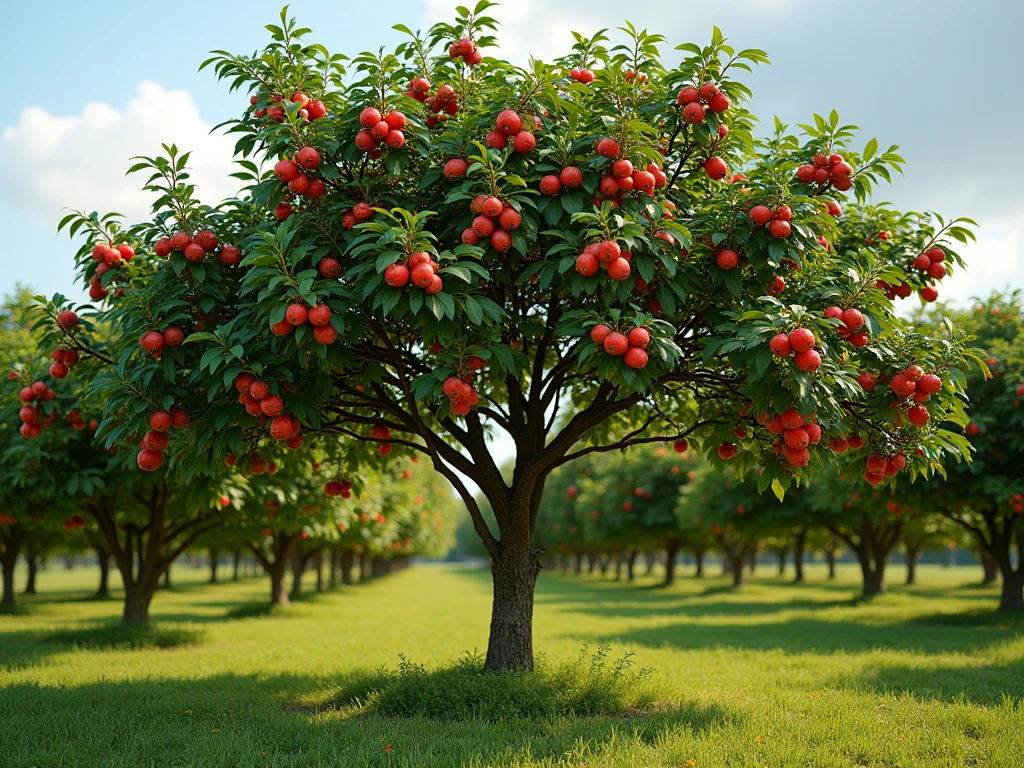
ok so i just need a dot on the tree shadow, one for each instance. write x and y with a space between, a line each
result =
115 636
289 719
986 684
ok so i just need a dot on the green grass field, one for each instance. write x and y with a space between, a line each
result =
772 675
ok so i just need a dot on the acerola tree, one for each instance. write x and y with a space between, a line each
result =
450 245
987 496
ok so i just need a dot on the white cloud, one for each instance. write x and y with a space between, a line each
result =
994 263
49 162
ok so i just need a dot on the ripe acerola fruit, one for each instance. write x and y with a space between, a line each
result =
284 170
780 345
808 360
615 344
230 255
173 337
693 113
599 333
931 384
801 340
760 215
571 176
608 148
509 122
308 158
324 334
918 415
524 142
550 185
587 264
639 337
319 315
155 440
619 269
727 259
455 167
636 357
149 461
152 343
780 229
510 219
296 314
716 168
726 451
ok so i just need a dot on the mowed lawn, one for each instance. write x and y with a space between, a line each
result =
771 675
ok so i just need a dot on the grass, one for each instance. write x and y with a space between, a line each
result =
771 675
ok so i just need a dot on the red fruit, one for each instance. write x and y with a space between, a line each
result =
838 444
179 241
496 139
319 315
608 148
873 479
492 207
524 142
39 388
727 259
420 85
230 255
791 419
841 171
929 293
834 209
834 313
622 168
282 328
285 170
58 370
719 102
813 433
867 380
726 451
922 262
693 113
571 176
395 139
805 173
300 184
639 337
780 345
615 344
509 122
162 247
715 168
914 372
875 464
801 339
856 441
271 405
636 357
282 211
935 254
930 384
688 95
501 240
362 211
798 457
455 167
173 337
179 418
126 252
609 185
599 333
154 440
510 219
244 381
28 414
422 274
195 253
324 334
149 461
619 269
918 415
937 270
296 314
853 319
71 358
365 141
153 343
161 421
797 438
760 215
808 360
643 181
308 158
550 185
370 116
780 229
903 386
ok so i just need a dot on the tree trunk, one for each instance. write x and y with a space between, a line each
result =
591 563
347 560
671 553
913 553
7 561
830 558
236 562
602 564
799 543
1012 598
990 567
510 644
167 577
69 562
298 566
136 605
364 567
618 566
579 564
698 557
278 594
214 557
33 568
320 571
104 560
751 560
737 574
783 553
630 564
650 558
874 580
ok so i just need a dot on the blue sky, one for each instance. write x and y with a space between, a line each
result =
108 79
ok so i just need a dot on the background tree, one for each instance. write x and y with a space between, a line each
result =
471 297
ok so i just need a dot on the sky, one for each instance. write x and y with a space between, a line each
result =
106 80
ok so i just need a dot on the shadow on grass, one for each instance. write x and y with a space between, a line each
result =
977 683
291 719
109 636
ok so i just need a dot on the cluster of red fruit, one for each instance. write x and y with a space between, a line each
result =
341 488
1016 503
257 465
63 361
421 269
460 391
832 169
916 385
631 347
605 255
34 396
108 257
799 342
74 522
298 314
260 404
798 434
491 210
510 124
310 109
382 435
154 442
377 128
6 519
153 342
290 172
196 248
582 75
877 468
852 321
779 219
467 50
625 178
694 101
570 176
77 423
